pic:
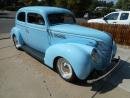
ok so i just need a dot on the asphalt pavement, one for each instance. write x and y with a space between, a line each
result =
6 25
6 21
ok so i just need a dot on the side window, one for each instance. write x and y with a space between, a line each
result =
21 16
112 16
68 19
124 16
35 18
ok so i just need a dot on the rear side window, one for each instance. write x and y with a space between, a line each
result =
21 16
35 18
124 16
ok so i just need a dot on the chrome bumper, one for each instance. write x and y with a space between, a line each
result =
115 63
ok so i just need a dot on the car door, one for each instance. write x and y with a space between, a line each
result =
37 32
112 18
124 18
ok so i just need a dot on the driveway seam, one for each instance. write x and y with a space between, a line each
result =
4 38
6 47
10 57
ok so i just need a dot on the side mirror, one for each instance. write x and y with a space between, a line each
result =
104 18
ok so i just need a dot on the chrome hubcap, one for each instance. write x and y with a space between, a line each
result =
64 68
15 41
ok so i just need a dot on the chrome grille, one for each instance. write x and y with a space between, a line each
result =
105 52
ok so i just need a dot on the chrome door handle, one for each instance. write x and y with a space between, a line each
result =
114 22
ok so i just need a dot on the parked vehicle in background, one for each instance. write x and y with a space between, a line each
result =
52 36
121 17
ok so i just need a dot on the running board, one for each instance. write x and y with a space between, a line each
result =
34 53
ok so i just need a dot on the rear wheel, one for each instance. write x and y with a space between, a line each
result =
16 44
65 70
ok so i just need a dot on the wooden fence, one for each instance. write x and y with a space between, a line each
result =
120 33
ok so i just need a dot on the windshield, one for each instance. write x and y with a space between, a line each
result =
61 18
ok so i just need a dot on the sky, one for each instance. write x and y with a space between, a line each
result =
112 0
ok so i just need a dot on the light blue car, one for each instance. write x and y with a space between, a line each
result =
51 35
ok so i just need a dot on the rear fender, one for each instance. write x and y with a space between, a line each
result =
16 32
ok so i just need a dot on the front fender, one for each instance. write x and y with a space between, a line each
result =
78 55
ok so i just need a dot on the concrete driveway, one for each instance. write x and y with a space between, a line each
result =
21 76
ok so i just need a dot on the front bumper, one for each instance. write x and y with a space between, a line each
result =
99 75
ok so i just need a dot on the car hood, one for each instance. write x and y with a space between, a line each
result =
82 31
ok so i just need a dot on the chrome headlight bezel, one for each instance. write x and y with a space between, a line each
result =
114 48
100 44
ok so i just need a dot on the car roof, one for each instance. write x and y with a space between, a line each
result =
44 9
124 11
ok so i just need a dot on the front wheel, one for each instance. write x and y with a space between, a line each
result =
65 70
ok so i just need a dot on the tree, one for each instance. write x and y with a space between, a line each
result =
94 4
77 6
61 3
123 4
30 2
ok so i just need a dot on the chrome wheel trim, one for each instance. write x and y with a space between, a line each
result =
64 68
16 42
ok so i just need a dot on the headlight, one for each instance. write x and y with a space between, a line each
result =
100 43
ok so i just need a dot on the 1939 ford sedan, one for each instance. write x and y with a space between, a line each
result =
51 35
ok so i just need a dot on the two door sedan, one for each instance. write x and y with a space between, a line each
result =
51 35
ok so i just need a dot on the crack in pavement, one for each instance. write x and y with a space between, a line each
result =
6 46
101 88
47 88
94 95
4 38
10 56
